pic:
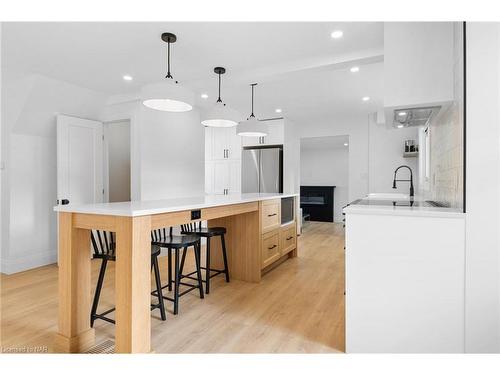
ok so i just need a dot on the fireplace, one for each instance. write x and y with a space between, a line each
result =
317 202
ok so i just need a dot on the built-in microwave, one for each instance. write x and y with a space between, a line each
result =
287 210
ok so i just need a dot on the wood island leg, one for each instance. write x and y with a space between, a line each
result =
133 285
75 334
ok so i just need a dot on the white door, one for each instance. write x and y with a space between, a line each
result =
233 144
219 145
221 176
234 176
79 160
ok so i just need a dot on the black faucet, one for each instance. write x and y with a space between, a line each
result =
412 191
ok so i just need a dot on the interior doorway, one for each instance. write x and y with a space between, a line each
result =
117 161
324 177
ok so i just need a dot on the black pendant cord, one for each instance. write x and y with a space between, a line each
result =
219 100
253 85
168 62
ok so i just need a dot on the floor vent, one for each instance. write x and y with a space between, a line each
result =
105 347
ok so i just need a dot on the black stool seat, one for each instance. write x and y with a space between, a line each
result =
155 251
175 241
175 244
206 232
104 245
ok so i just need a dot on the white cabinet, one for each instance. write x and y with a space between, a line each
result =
222 143
275 136
222 161
418 64
223 176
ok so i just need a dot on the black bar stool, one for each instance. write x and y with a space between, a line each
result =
104 246
208 233
160 237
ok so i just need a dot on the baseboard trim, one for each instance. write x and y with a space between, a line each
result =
13 265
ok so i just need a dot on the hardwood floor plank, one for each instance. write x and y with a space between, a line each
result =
297 308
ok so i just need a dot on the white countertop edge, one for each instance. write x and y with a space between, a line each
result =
405 211
166 205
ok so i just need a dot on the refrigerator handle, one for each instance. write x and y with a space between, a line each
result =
260 169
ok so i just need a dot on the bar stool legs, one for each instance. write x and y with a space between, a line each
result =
224 256
158 288
207 268
97 295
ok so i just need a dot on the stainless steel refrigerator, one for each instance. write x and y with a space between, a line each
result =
262 170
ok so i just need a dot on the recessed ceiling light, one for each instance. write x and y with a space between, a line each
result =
354 69
402 114
400 126
127 77
278 110
337 34
346 144
365 98
204 96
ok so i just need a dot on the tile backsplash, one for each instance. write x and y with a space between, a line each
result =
446 139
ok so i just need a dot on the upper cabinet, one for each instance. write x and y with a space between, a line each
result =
418 64
275 136
222 143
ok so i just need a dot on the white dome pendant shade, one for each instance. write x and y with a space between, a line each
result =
220 115
168 95
252 127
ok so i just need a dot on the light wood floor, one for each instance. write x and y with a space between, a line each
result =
298 306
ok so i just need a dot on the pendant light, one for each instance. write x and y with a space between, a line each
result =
221 116
167 95
252 127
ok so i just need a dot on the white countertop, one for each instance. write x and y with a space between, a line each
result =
141 208
374 209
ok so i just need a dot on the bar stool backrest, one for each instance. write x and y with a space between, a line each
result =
158 234
191 227
103 242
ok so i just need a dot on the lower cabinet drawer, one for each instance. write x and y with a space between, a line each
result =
270 247
288 236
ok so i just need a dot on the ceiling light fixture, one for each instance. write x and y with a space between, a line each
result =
278 110
346 144
337 34
127 77
221 116
400 126
252 127
402 114
365 98
354 69
204 96
168 95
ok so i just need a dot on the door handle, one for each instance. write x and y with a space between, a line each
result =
289 238
64 201
272 247
227 153
272 215
224 153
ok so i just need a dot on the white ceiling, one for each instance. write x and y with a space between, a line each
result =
324 143
298 66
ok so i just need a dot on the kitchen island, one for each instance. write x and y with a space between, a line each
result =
405 277
256 239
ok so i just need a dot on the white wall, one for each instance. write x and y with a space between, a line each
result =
327 167
172 154
29 105
482 288
117 143
386 148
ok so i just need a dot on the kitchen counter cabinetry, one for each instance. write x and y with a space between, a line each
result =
277 240
222 161
404 280
275 136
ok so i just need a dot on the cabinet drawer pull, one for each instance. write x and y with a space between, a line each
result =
289 238
272 214
272 247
